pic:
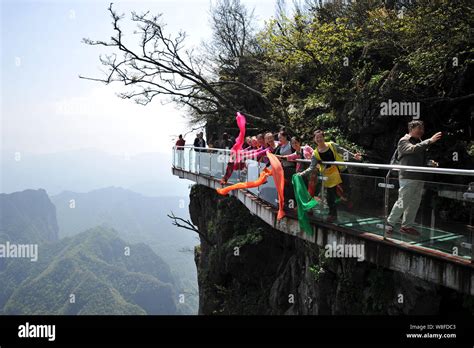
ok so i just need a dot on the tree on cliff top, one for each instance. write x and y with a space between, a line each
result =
161 66
327 65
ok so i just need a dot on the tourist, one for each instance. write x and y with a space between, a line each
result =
269 146
254 143
247 143
213 142
289 167
199 144
411 151
226 142
180 150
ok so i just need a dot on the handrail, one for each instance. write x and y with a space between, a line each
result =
201 148
432 170
204 165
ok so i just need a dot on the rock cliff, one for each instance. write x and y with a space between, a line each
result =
246 267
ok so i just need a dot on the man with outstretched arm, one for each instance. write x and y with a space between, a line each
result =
411 152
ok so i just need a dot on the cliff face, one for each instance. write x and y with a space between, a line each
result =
27 217
246 267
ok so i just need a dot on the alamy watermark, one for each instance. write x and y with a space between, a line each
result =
345 250
394 108
37 331
27 251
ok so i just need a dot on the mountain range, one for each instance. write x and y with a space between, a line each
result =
89 271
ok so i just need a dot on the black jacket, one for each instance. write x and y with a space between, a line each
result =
199 143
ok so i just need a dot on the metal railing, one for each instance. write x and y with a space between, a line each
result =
432 170
213 161
376 166
397 167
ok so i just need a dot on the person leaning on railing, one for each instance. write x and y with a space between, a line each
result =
270 146
213 141
284 149
225 142
302 152
199 144
260 141
411 151
179 143
235 162
253 144
247 143
257 146
329 152
297 154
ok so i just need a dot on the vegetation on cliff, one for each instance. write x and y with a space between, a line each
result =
325 65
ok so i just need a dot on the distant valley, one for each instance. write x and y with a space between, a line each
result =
110 254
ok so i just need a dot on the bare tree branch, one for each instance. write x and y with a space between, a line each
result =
188 225
160 67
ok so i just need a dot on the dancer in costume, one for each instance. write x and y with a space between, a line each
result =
247 144
283 150
269 147
236 162
302 152
253 144
329 151
276 171
258 153
304 202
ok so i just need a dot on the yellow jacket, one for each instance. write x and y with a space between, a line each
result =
331 172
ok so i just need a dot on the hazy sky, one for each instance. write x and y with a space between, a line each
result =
47 108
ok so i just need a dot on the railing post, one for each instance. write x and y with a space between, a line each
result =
182 163
386 196
239 172
224 157
176 162
323 192
469 197
174 159
258 176
472 246
199 162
